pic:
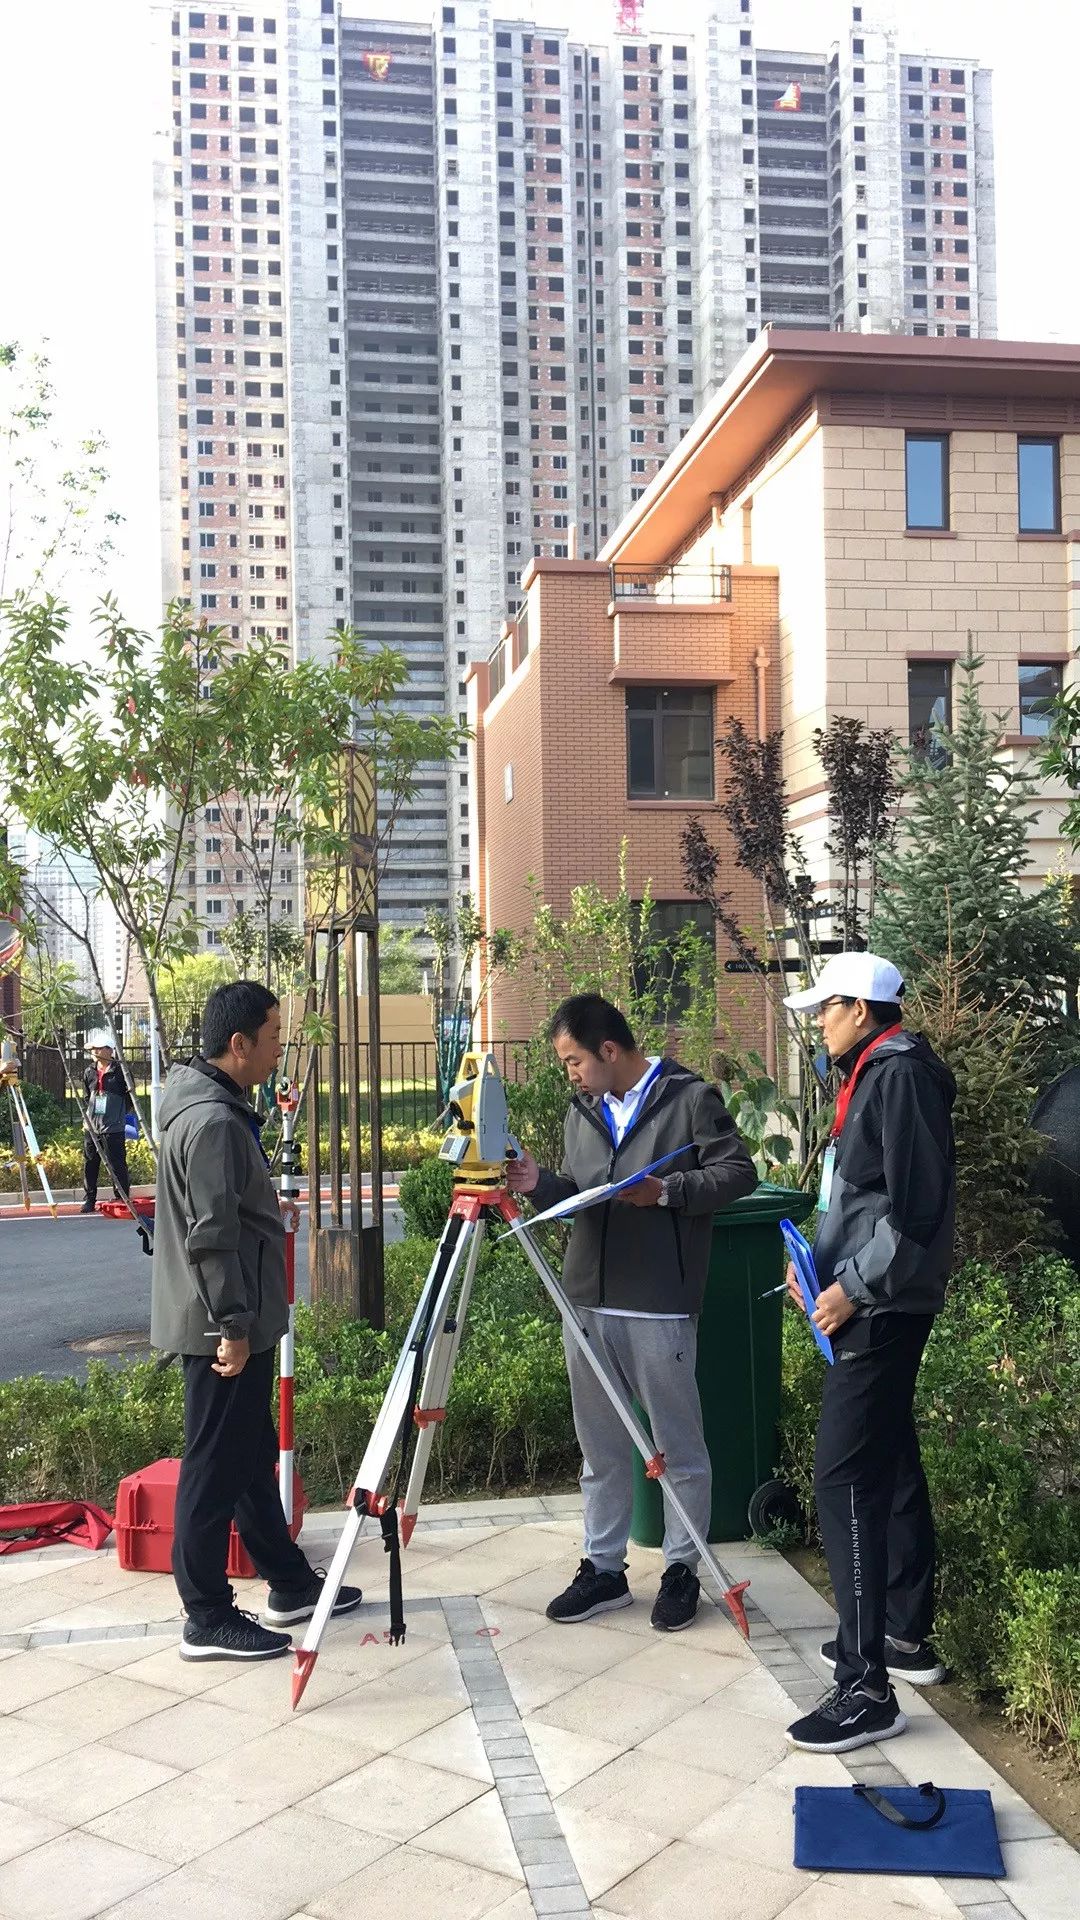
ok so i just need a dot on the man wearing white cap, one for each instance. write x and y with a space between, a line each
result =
883 1252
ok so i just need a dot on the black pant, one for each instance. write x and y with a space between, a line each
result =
872 1498
116 1165
230 1453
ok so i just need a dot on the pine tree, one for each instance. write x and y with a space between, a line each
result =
953 882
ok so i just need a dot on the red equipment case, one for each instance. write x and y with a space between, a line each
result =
145 1503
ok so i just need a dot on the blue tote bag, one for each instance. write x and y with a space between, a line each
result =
923 1829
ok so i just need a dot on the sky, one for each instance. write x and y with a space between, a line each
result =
76 226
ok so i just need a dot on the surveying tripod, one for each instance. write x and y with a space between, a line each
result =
478 1146
25 1150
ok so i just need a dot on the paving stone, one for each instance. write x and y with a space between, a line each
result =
535 1826
565 1875
544 1851
558 1899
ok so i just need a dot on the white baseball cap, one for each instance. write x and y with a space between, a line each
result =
850 976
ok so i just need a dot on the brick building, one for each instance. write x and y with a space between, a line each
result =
822 541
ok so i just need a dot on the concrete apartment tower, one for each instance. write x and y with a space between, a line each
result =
441 289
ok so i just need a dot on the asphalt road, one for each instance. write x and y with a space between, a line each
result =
73 1280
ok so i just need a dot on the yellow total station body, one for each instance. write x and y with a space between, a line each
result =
479 1142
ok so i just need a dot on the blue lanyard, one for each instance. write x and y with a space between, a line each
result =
609 1121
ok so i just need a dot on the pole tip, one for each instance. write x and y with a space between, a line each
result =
302 1671
733 1597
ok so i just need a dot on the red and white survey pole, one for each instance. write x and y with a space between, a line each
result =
288 1099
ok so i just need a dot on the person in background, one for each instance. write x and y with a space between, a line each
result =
218 1298
105 1113
635 1270
883 1252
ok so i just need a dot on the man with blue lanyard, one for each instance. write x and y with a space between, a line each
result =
635 1270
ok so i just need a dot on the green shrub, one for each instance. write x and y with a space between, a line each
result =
1042 1663
425 1193
507 1423
46 1114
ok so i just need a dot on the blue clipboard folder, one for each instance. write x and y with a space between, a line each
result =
802 1259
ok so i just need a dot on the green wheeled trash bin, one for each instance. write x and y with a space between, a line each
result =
738 1364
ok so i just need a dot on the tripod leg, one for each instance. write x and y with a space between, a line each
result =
374 1469
432 1402
430 1311
18 1146
731 1591
33 1151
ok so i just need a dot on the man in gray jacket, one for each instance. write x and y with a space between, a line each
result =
635 1270
219 1300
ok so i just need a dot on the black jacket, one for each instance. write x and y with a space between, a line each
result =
649 1259
116 1097
888 1233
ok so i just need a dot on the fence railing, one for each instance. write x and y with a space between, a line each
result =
407 1075
674 583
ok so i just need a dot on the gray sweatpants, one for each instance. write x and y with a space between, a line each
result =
653 1360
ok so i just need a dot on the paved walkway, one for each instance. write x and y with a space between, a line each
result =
495 1765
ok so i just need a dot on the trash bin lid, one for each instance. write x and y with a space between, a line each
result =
766 1204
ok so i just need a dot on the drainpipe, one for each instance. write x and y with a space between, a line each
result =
761 667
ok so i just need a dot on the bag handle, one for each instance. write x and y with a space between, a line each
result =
889 1812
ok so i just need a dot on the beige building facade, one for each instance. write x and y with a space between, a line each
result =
896 495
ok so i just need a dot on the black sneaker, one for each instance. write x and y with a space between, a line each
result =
287 1609
677 1601
88 1206
590 1593
847 1718
921 1668
237 1636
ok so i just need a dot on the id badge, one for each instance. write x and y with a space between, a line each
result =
827 1165
100 1105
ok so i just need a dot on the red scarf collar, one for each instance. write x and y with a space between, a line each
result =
843 1098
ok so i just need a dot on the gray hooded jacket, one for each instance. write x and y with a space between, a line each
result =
219 1241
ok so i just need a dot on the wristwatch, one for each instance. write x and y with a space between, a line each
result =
663 1198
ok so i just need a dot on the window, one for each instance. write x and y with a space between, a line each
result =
1037 485
929 705
1040 686
669 744
663 967
926 457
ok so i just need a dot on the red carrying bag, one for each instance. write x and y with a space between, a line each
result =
44 1523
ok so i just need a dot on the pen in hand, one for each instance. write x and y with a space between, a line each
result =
782 1288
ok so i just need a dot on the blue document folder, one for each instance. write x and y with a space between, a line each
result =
802 1259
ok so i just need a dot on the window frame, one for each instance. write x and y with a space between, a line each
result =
658 792
1054 667
926 748
915 438
1053 441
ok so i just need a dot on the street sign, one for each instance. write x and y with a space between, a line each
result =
767 966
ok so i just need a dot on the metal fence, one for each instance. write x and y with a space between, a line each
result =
407 1073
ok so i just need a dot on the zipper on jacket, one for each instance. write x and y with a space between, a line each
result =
258 1279
601 1294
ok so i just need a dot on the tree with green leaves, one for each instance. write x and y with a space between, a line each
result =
955 880
51 509
111 748
400 967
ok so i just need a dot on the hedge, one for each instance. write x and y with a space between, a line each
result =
507 1421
